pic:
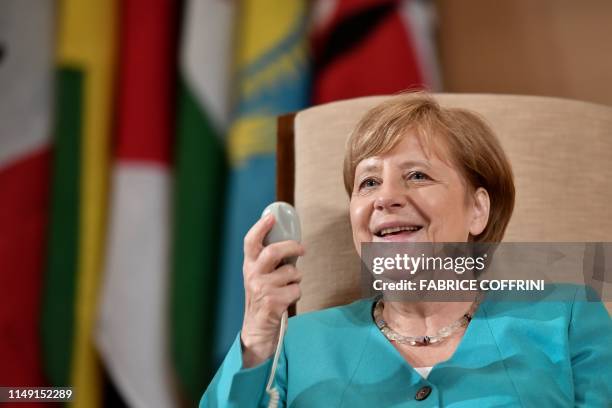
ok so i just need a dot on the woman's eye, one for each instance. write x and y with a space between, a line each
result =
368 183
418 176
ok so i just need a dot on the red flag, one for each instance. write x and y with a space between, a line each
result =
25 113
362 48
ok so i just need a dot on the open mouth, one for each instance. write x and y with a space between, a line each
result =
397 231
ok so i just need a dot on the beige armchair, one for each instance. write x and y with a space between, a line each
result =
560 150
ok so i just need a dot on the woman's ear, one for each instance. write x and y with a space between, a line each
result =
480 211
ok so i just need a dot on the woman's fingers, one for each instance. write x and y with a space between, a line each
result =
272 255
253 240
269 289
290 294
277 300
265 285
285 275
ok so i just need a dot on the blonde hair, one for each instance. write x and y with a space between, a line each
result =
458 134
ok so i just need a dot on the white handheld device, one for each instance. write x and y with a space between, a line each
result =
286 227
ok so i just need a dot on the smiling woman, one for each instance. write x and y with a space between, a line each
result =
416 172
439 157
407 195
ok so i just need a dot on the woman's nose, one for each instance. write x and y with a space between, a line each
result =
390 196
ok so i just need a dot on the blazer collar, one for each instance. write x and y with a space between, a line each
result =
477 349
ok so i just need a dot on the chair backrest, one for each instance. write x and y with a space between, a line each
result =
560 150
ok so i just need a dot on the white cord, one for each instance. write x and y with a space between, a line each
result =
273 392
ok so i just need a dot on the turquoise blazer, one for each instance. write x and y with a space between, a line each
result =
547 353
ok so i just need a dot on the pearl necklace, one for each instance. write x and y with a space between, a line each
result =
440 336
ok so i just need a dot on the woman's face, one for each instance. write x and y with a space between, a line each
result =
407 195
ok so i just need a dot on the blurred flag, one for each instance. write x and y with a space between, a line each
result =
198 193
26 79
372 47
133 327
78 208
271 78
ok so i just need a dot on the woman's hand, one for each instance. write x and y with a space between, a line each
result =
269 290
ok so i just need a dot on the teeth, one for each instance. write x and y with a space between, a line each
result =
396 229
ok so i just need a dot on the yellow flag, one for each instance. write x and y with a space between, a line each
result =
87 30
